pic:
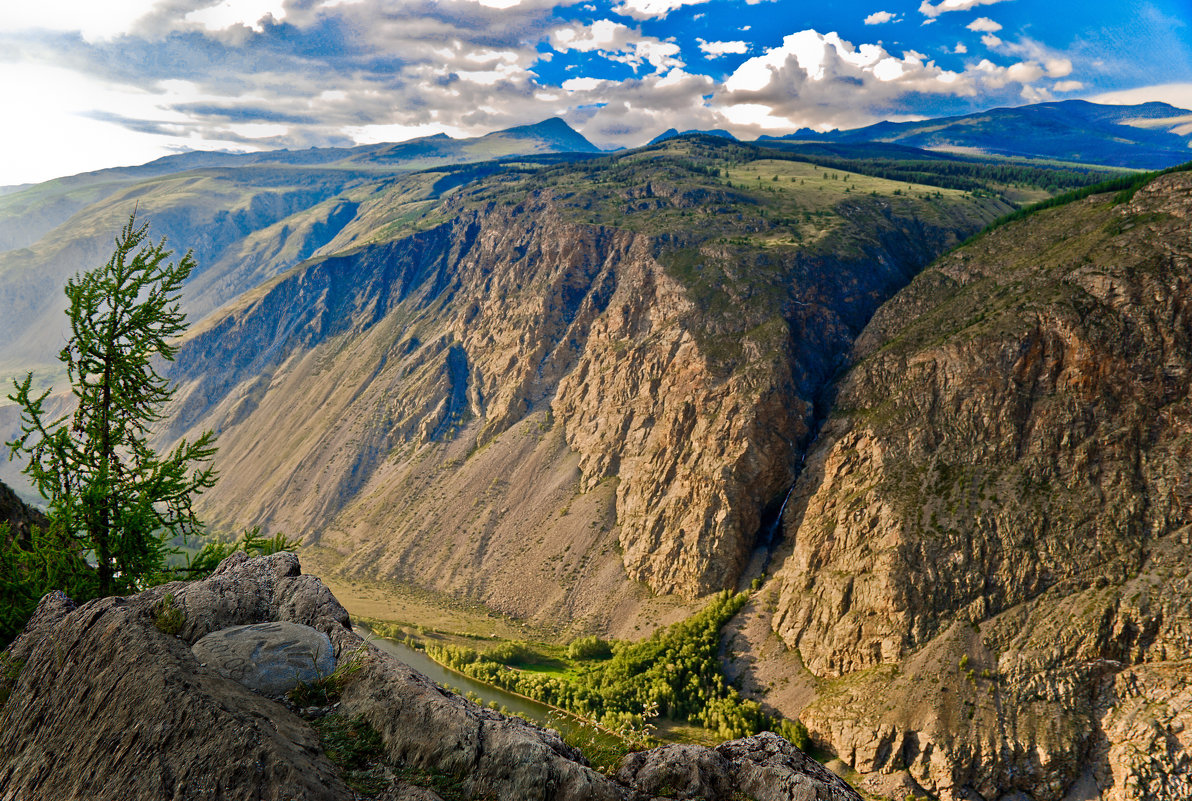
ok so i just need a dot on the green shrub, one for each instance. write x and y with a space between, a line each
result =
168 618
590 647
512 653
357 749
203 563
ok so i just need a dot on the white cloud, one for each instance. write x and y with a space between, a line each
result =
960 49
1057 67
60 133
880 18
944 6
395 132
628 112
755 115
652 9
603 34
232 13
1067 86
1035 94
799 84
619 43
984 25
1177 94
991 41
95 21
582 84
718 49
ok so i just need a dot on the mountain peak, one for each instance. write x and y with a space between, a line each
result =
671 133
554 131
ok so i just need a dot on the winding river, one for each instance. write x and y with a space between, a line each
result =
539 713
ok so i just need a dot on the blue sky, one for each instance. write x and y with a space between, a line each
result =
86 85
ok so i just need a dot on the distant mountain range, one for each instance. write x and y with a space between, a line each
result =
1145 136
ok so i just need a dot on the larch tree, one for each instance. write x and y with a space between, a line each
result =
108 490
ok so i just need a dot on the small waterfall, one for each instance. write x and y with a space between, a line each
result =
777 524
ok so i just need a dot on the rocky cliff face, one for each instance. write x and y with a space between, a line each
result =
656 375
988 550
18 514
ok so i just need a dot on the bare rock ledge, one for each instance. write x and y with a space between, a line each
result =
106 706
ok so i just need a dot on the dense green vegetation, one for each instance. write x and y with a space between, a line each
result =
32 566
675 674
969 176
1123 188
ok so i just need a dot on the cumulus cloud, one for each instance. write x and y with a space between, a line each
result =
1067 86
718 49
880 18
93 21
984 25
628 112
1177 94
944 6
960 49
652 9
618 43
822 81
231 13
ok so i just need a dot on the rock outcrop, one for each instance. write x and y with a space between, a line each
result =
19 515
104 704
764 767
987 566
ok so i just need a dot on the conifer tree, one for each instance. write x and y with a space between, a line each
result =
108 490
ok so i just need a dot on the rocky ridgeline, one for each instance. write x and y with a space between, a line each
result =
105 704
988 568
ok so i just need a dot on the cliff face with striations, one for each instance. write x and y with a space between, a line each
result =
987 561
569 353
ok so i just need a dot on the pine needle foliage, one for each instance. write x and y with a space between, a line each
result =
106 487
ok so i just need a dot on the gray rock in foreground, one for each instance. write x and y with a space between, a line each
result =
764 767
106 706
272 658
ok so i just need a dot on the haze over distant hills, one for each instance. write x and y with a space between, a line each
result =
1144 136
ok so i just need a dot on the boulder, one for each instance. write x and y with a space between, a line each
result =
764 767
678 771
272 658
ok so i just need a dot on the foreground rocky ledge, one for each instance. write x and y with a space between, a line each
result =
108 706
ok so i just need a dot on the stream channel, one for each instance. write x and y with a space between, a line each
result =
548 717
